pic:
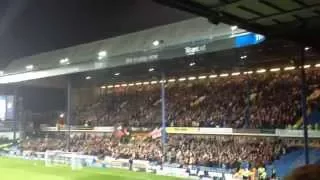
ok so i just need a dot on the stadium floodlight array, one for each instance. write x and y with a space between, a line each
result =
29 67
201 77
102 54
64 61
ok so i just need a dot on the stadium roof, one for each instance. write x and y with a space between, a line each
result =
269 54
297 20
187 37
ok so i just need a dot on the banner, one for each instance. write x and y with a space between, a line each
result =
195 130
296 133
103 129
224 131
182 130
156 133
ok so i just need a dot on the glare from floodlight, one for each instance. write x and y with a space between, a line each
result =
182 79
233 28
307 66
88 77
275 69
224 75
116 74
235 74
213 76
131 84
191 78
124 85
171 80
61 115
154 82
29 67
192 64
261 71
156 43
317 65
117 85
248 72
243 57
109 87
289 68
307 48
146 83
162 81
103 87
138 83
1 73
151 69
202 77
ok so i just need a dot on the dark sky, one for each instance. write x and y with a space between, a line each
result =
31 26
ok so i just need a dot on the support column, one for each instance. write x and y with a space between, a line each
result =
304 104
69 106
17 112
248 102
163 114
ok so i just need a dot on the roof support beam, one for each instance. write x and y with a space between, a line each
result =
300 3
267 3
251 11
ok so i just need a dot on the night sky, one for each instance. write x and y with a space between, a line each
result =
28 27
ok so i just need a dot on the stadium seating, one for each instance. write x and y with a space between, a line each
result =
267 100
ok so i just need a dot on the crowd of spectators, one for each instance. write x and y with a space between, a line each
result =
259 100
218 151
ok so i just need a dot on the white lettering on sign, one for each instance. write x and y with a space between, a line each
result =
195 49
259 38
141 59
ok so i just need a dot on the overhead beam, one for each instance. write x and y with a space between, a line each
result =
252 11
267 3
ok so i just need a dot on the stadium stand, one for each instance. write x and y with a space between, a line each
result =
221 151
272 99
